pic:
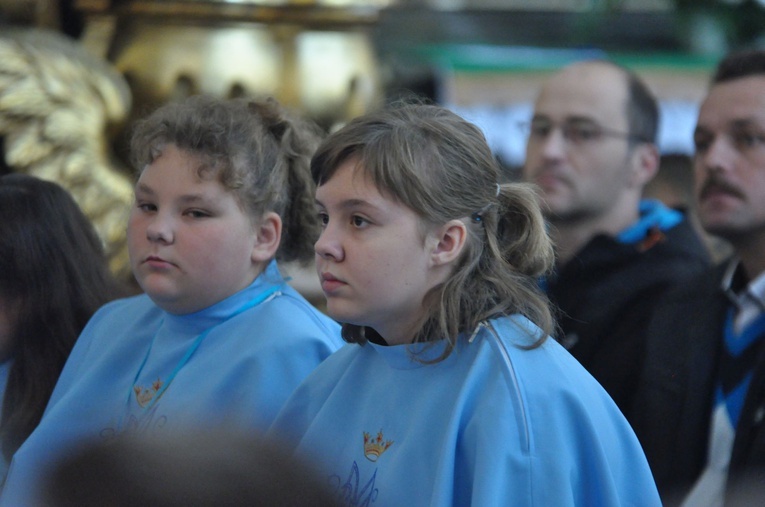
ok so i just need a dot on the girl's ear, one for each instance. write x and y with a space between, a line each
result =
449 240
269 234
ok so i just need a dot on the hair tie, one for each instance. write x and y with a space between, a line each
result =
477 216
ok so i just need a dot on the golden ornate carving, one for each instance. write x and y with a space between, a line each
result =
312 55
57 103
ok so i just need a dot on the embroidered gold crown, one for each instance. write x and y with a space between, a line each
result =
374 447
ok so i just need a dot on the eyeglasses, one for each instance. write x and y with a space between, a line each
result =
577 131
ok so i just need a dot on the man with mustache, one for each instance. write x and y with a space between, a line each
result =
592 149
700 407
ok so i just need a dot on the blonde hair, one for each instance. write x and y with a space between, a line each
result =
439 165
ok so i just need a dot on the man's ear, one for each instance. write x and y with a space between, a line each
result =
448 241
268 235
645 164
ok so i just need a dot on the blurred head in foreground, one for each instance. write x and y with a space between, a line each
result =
191 469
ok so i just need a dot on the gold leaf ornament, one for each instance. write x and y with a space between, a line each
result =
57 104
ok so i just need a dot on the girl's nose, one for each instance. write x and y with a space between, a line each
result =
160 228
328 246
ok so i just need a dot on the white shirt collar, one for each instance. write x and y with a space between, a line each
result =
750 300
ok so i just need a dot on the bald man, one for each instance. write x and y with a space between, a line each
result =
592 149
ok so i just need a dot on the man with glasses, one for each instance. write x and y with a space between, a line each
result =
700 408
591 150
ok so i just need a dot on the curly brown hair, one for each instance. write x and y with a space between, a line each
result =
256 148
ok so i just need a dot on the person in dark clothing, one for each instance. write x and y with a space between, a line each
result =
591 150
700 406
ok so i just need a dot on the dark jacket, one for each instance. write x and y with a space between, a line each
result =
673 405
606 293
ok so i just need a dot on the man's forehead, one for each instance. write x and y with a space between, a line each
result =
585 89
738 100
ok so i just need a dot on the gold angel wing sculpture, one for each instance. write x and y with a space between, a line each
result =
57 105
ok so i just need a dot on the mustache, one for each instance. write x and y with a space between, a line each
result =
715 183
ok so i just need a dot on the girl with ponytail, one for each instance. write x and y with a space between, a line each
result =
452 394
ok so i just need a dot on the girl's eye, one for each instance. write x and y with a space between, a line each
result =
323 218
358 221
195 213
146 207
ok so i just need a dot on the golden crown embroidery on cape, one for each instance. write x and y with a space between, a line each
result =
374 447
144 395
